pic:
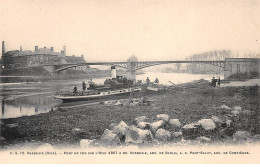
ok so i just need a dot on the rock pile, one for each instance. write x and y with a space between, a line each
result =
166 129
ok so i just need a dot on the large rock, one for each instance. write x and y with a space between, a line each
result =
217 121
207 124
163 117
138 135
122 130
190 131
176 136
140 119
175 124
143 125
156 125
109 138
241 136
163 135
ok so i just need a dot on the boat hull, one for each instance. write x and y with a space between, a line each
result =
101 96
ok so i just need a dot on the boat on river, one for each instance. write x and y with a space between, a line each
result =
99 94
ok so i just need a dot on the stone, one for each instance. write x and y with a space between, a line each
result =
225 107
163 135
207 124
122 130
256 137
156 125
118 103
143 125
140 119
228 123
109 138
237 108
85 143
163 117
235 112
77 130
190 131
241 136
176 136
204 139
175 123
138 135
111 126
217 121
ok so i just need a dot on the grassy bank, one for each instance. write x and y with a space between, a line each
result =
195 102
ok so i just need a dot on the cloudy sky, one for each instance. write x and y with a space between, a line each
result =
113 30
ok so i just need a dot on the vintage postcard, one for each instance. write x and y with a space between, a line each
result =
130 81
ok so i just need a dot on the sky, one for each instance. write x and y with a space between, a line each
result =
113 30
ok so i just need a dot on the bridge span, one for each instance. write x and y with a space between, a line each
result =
129 65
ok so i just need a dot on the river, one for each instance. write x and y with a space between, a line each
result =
25 99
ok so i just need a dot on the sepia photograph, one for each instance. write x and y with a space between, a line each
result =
130 82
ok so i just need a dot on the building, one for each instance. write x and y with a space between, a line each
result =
37 58
241 66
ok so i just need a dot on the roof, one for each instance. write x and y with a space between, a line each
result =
44 51
11 52
23 53
74 59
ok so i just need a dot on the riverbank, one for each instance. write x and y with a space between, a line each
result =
188 102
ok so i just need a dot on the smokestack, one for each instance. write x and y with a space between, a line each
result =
21 48
52 49
3 48
113 72
64 49
35 48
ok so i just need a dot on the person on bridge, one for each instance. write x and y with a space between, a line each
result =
147 80
83 86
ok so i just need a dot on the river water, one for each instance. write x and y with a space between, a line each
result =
25 99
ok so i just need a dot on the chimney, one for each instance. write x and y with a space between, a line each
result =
44 47
21 48
64 49
82 56
62 52
3 48
52 49
113 72
36 48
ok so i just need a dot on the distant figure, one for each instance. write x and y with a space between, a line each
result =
91 84
75 89
213 82
156 80
83 86
219 81
147 80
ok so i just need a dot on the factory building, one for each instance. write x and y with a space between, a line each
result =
40 56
